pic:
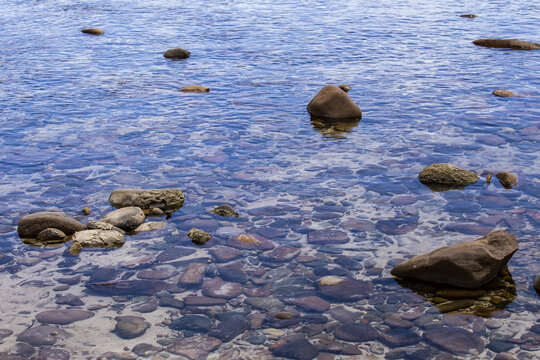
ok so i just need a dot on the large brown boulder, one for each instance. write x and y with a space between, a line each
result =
31 225
470 264
167 200
441 177
507 44
332 103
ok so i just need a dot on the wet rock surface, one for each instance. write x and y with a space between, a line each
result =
126 218
440 177
106 239
51 235
31 225
508 180
332 103
503 93
176 53
167 200
93 31
199 237
41 335
225 211
512 44
195 89
195 347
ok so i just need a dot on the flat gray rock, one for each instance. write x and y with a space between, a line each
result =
106 239
470 264
127 218
31 225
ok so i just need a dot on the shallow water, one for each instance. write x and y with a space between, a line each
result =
83 115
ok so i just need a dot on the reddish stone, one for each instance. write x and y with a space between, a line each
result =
221 289
281 254
203 301
313 303
225 254
328 237
193 275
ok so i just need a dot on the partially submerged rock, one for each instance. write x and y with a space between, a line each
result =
512 44
199 237
469 16
93 31
51 235
508 180
536 285
332 103
31 225
105 239
345 87
167 200
103 226
440 177
503 93
195 89
176 53
469 264
127 218
225 211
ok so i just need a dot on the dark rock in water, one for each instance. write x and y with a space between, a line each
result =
21 349
199 237
167 200
130 327
221 289
63 316
457 341
503 93
440 177
455 305
344 289
469 16
225 210
193 276
31 225
129 287
126 218
299 350
225 253
195 89
69 299
469 264
100 225
345 87
508 180
198 323
458 293
93 31
203 301
53 354
169 301
269 304
51 235
195 347
512 44
4 333
176 53
400 337
230 328
174 253
154 274
233 274
327 237
103 274
102 239
41 335
332 103
258 339
396 226
536 285
86 211
356 332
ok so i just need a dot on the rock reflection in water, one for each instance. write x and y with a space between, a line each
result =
494 296
333 128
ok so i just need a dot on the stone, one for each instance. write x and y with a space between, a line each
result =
345 87
40 335
4 333
221 289
174 253
298 349
508 180
225 253
457 293
313 303
469 264
63 316
154 274
193 276
455 305
225 211
21 351
203 301
149 226
51 235
31 225
536 285
356 332
126 218
512 44
503 93
396 226
130 327
197 323
347 290
440 177
332 103
169 301
69 299
53 354
176 53
327 237
93 31
167 200
281 254
145 350
86 211
129 287
195 89
100 225
104 239
146 307
199 237
469 16
399 337
455 340
251 242
269 304
196 347
230 327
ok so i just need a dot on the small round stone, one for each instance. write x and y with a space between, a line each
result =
199 237
86 211
176 53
